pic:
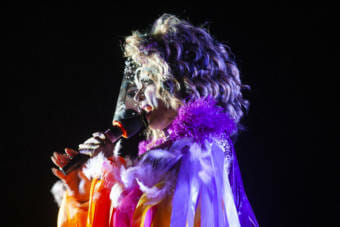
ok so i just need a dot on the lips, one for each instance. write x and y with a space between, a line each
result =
147 108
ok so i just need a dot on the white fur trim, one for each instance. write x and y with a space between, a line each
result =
115 193
94 166
58 190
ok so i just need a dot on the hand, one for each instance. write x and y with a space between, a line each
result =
98 143
76 182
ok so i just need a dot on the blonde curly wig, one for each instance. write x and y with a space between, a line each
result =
186 63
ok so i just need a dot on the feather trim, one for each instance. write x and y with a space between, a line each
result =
94 167
200 119
58 190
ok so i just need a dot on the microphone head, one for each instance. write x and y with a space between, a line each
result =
130 122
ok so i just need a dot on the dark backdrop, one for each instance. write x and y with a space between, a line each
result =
63 70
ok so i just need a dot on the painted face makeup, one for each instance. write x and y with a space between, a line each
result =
146 93
157 114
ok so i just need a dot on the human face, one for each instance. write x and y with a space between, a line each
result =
157 114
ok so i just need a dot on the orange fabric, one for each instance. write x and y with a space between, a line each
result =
94 213
140 212
100 203
162 214
72 213
97 211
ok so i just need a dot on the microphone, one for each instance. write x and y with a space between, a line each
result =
127 127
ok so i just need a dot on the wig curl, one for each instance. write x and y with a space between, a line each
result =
188 64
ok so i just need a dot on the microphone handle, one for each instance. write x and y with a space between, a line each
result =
112 135
76 162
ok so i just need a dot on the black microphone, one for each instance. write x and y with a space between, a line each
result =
127 127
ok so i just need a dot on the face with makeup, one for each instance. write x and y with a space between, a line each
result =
158 115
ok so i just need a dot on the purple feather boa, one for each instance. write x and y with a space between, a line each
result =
198 120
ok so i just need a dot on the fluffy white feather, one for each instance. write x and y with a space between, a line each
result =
58 189
115 193
94 166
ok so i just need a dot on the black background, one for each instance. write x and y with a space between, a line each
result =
63 69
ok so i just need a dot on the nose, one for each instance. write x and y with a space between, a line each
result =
139 96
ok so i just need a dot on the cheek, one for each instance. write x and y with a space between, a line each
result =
155 119
150 95
159 118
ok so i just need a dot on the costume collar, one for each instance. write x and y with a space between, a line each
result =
198 120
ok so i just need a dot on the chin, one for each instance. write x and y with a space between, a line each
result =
155 125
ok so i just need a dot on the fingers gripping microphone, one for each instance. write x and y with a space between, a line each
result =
130 125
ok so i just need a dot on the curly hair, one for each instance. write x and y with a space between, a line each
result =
187 64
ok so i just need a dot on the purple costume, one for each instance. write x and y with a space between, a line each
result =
198 163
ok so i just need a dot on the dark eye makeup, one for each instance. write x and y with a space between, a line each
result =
132 89
146 81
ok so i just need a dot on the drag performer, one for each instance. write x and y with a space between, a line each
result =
186 87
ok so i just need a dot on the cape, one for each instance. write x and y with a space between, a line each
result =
190 178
